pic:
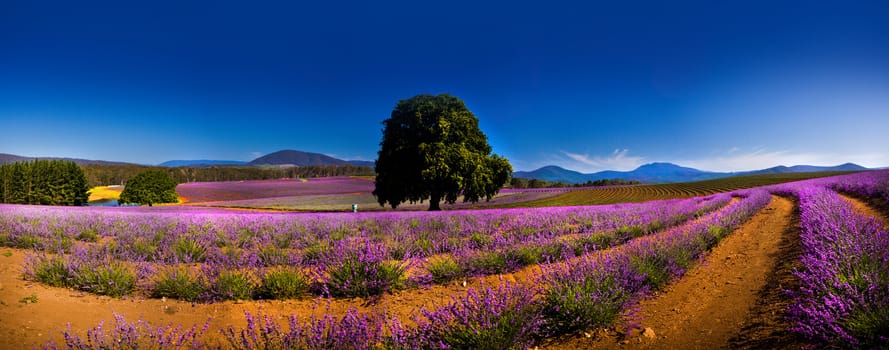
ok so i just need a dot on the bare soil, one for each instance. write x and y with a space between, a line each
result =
28 325
872 208
733 299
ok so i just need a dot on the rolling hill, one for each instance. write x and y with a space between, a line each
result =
667 173
11 158
300 158
280 158
806 169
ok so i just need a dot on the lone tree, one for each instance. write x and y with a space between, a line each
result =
433 149
153 186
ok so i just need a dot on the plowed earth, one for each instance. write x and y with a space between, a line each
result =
733 299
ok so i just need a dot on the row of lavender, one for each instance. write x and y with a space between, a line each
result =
843 299
156 236
336 254
577 294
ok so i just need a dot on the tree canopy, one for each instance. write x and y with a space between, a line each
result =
149 187
46 182
433 149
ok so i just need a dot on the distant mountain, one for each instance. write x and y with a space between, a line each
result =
553 173
200 163
368 163
665 172
300 158
280 158
11 158
806 169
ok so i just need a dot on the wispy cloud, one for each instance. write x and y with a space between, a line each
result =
617 160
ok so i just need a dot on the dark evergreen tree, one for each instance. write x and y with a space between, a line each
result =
433 149
47 182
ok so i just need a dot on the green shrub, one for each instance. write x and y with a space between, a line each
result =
50 271
717 231
271 256
283 284
177 283
655 268
189 250
27 242
529 255
358 277
315 252
425 246
444 268
480 240
88 236
487 262
233 285
143 248
113 279
630 231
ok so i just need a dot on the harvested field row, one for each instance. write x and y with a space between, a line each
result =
642 193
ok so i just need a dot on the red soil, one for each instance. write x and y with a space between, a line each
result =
729 300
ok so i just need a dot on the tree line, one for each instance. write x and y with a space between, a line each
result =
45 182
536 183
101 175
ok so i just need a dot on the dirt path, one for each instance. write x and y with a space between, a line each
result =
30 325
865 209
720 299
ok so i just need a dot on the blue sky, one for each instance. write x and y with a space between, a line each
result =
717 85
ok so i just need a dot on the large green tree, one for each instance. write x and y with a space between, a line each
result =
149 187
433 149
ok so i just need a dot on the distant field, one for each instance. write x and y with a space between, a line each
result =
105 193
642 193
200 192
322 194
366 202
339 193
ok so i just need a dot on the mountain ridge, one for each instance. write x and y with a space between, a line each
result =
662 172
657 172
12 158
301 158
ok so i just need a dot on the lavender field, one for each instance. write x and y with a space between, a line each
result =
336 194
343 254
561 270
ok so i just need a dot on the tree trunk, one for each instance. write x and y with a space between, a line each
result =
433 202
